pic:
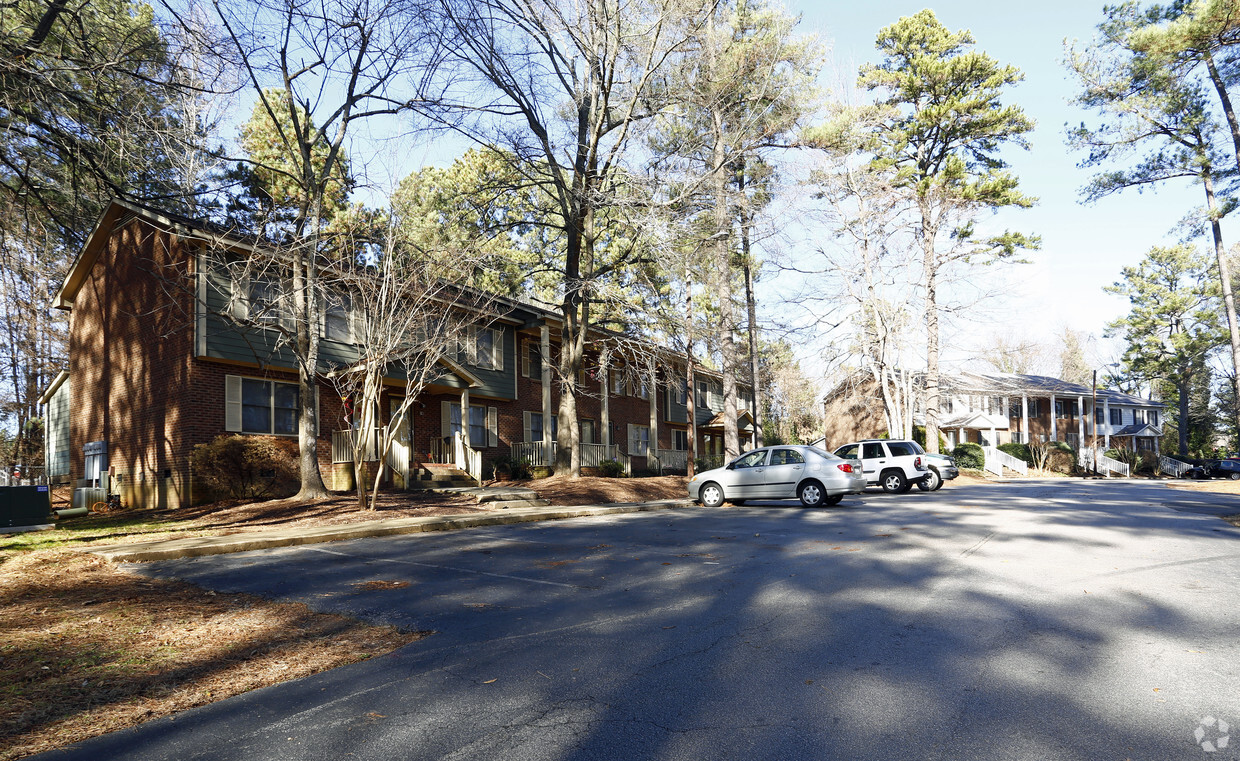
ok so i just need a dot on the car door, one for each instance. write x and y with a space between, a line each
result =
784 471
748 475
873 458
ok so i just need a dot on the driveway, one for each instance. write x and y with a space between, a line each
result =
1034 620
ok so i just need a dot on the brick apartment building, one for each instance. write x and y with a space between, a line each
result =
155 368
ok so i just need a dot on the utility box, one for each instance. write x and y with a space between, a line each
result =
25 507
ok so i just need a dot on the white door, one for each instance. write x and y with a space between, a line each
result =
402 445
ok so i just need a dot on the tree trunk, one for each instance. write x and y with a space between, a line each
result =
932 330
1184 388
751 307
1229 299
307 338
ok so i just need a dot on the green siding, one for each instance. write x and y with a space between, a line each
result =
225 340
58 454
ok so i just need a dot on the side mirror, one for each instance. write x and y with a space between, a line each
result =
731 466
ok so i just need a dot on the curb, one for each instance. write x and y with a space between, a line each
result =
172 549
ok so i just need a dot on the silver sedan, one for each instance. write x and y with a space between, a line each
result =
784 472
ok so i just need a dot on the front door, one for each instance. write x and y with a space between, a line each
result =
873 458
402 445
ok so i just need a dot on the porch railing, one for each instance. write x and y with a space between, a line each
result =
672 460
542 454
343 441
1172 466
1100 463
996 460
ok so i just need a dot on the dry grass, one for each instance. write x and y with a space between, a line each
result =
87 649
565 491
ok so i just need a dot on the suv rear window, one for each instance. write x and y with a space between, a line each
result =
903 448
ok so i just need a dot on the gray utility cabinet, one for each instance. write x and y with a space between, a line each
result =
25 506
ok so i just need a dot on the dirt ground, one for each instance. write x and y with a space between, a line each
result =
565 491
89 649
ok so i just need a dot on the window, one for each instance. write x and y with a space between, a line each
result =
643 388
786 457
1058 408
587 432
751 460
337 308
904 448
1098 415
1138 416
264 300
872 451
531 362
1035 408
850 451
535 432
1153 417
1117 416
639 440
95 465
268 407
680 440
482 421
702 393
617 382
488 349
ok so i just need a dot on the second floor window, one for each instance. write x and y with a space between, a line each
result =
336 317
1117 416
264 299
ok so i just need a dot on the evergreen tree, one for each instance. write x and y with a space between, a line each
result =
1173 325
942 125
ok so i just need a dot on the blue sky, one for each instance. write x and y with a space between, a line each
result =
1083 247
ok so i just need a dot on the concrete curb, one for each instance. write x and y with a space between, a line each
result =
171 549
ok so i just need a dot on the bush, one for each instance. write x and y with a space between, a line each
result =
969 455
247 467
1017 450
611 469
507 466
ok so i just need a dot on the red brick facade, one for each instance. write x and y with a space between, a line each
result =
138 385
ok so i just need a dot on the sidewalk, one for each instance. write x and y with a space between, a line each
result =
171 549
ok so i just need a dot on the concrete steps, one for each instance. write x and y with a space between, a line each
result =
449 480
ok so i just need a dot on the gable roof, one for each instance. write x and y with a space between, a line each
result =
1040 385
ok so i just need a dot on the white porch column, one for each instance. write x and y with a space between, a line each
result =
1106 420
604 376
1054 421
544 349
1080 422
1024 418
960 437
652 448
462 461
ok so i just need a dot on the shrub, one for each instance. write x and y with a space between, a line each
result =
611 469
518 468
247 467
1017 450
969 455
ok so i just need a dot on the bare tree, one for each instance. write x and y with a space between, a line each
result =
561 87
317 71
404 318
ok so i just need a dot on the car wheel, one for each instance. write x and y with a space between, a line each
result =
931 482
894 482
1234 476
811 494
832 501
711 494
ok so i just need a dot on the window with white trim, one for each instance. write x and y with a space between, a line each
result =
1117 416
534 426
483 430
639 440
337 317
264 299
488 349
617 382
254 405
587 431
680 440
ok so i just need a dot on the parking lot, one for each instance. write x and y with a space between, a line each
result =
1033 620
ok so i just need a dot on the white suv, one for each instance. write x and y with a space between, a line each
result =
894 465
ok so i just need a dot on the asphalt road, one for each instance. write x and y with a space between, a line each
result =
1040 620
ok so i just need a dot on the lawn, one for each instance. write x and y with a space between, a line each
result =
90 648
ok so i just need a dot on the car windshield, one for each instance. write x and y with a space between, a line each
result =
847 451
